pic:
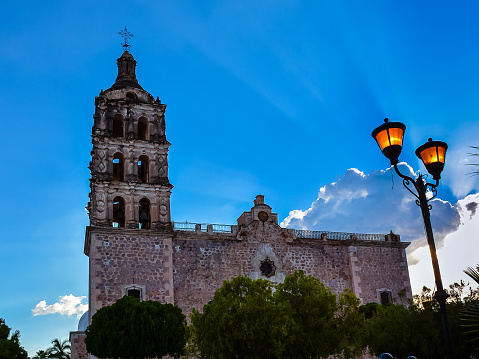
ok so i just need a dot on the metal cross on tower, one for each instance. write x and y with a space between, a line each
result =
126 37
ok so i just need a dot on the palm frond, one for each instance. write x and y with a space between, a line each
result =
473 273
476 148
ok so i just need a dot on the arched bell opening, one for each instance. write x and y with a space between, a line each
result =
118 167
144 213
131 96
118 212
118 126
143 129
143 169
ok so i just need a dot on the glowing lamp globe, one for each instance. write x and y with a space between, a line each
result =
389 137
433 155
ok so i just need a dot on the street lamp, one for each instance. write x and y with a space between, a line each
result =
389 137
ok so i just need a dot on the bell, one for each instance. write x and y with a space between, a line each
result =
144 217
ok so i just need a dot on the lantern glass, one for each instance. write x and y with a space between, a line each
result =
389 137
433 155
382 139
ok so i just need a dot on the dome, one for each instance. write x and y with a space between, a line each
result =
83 323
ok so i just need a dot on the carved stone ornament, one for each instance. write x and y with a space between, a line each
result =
162 169
101 161
163 210
100 202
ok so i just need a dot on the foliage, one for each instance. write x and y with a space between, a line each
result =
476 148
60 350
41 354
470 312
417 329
351 326
388 330
242 321
369 309
10 347
131 329
299 318
313 305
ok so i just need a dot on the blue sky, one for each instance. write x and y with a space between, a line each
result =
271 97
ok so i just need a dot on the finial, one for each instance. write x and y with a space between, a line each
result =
126 37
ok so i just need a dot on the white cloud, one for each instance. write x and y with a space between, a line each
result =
67 305
372 203
460 250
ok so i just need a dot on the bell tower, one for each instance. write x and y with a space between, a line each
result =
129 167
129 239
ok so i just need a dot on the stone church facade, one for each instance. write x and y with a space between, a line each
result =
135 249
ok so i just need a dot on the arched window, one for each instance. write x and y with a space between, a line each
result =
118 173
143 166
118 126
134 290
144 214
385 295
118 212
135 293
143 129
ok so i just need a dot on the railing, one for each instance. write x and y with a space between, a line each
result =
184 226
304 233
300 233
192 227
221 228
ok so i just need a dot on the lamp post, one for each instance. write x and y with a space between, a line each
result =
389 137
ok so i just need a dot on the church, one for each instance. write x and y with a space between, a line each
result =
135 248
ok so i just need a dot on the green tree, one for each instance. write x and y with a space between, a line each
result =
130 329
313 307
10 344
242 321
389 329
351 326
59 349
41 354
300 318
417 330
369 309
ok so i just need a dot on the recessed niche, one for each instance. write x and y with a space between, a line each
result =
267 268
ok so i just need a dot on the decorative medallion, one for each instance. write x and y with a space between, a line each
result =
263 216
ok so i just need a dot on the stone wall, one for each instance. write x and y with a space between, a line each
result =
381 267
124 259
186 267
202 261
78 347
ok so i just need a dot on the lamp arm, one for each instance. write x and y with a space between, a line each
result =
406 181
403 176
432 185
433 188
